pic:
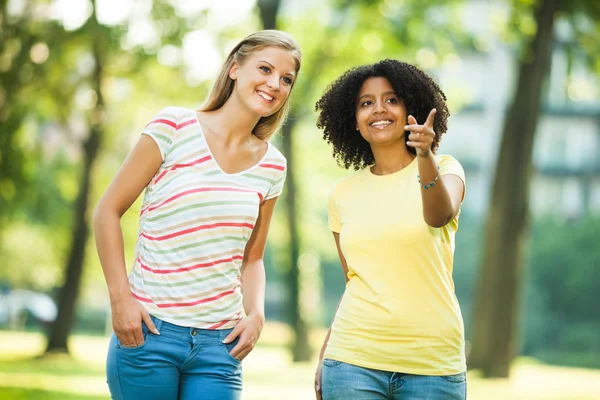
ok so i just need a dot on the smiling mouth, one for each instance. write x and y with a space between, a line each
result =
265 96
381 124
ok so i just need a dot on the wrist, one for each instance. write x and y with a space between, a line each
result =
258 317
424 154
119 294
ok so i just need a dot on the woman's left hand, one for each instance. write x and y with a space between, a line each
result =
248 329
421 136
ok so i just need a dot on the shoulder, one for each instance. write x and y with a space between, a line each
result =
450 166
446 159
274 156
349 183
175 115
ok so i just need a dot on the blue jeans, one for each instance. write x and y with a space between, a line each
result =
342 381
180 364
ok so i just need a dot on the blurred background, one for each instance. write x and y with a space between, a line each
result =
79 79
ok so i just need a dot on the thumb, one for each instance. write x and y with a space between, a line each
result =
235 332
412 120
148 321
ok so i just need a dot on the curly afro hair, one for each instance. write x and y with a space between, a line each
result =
337 108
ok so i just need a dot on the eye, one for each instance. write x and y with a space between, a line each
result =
392 100
265 69
287 80
366 103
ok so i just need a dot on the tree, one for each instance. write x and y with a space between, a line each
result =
16 39
301 347
61 327
498 298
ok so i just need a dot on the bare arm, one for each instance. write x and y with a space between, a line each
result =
253 285
441 201
135 173
336 236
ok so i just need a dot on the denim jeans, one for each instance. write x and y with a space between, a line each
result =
342 381
180 364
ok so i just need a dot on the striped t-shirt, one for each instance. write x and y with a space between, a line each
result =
195 222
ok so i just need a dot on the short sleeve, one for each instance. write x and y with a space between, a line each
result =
450 166
162 130
277 186
333 216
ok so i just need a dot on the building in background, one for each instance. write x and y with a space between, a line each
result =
566 158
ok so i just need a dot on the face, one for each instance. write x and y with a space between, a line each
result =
380 113
265 79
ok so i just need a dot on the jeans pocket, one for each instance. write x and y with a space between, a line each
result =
144 336
327 362
456 378
229 346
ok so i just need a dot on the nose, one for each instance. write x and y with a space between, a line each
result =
379 108
273 82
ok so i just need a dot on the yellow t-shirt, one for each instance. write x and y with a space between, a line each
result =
399 312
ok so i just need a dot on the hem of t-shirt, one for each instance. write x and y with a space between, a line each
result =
269 197
162 155
391 368
205 325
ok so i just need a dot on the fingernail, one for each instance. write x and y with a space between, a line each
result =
225 341
156 332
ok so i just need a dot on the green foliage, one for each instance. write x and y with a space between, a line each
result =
564 286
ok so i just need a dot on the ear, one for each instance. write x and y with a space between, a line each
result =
233 71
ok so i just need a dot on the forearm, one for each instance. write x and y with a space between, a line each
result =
438 209
253 288
109 243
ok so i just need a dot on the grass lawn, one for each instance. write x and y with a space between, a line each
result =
268 373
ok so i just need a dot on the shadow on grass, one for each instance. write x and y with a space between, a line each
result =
36 394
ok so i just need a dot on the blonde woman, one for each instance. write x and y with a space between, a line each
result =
192 306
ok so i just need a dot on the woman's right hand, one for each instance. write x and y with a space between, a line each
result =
318 380
127 317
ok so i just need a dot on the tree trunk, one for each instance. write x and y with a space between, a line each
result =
60 329
268 10
497 306
301 347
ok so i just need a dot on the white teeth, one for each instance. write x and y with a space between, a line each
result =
381 123
265 96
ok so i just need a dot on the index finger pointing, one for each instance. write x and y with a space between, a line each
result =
430 118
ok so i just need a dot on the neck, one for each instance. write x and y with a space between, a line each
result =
390 158
234 122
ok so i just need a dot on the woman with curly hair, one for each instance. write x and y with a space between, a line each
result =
398 331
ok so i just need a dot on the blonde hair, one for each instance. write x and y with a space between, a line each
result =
223 86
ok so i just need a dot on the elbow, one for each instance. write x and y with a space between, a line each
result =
436 224
101 214
439 221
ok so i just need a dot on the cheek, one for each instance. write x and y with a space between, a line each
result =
361 117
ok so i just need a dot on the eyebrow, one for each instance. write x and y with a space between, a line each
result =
272 66
385 94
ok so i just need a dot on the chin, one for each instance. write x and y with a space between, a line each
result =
385 139
266 111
